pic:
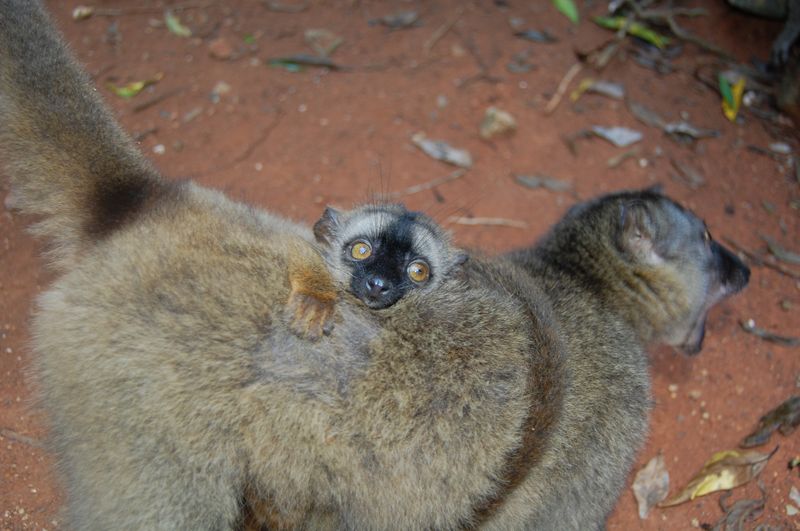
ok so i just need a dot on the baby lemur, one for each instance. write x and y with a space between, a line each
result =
383 252
207 365
377 253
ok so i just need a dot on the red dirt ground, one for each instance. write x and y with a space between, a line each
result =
293 142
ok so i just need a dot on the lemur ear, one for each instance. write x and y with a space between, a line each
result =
460 259
325 229
637 233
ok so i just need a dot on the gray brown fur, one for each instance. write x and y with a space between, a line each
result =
180 395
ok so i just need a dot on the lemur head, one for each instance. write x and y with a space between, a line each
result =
383 252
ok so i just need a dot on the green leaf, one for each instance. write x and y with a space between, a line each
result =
132 89
174 25
568 9
249 39
731 96
633 28
725 89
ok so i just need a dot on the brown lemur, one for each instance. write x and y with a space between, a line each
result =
192 379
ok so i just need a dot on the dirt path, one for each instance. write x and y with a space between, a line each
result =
295 141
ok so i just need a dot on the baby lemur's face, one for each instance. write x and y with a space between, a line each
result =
384 252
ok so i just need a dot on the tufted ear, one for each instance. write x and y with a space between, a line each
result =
637 233
460 258
325 229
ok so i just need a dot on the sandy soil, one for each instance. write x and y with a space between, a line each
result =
295 141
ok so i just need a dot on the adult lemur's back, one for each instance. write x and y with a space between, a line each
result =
182 394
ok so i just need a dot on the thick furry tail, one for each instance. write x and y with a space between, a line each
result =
69 161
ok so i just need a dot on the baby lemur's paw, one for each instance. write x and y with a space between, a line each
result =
312 299
310 317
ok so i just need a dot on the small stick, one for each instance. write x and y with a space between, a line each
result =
441 32
430 184
139 107
138 10
278 7
779 252
761 261
562 87
144 134
17 437
766 335
495 222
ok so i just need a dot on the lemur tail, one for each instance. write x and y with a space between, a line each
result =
69 161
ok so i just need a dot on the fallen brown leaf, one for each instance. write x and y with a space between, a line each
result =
724 471
651 485
785 418
741 512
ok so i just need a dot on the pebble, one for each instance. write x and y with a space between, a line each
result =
220 49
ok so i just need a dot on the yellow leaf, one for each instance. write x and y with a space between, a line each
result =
133 88
725 470
724 481
731 109
582 87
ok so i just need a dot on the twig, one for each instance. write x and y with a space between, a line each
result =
441 32
497 222
430 184
562 87
685 35
762 261
750 327
483 68
279 7
144 134
18 437
784 255
617 160
139 107
668 16
140 10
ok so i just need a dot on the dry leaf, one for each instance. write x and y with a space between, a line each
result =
496 122
784 417
724 471
541 181
619 136
82 12
403 19
442 151
794 495
324 42
651 485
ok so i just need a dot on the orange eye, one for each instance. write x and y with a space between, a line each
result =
418 271
361 250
